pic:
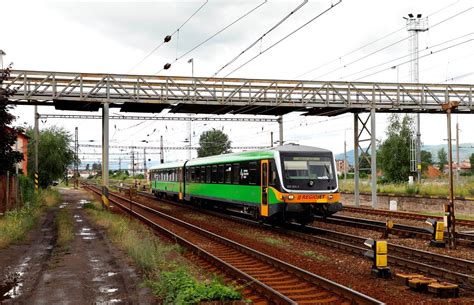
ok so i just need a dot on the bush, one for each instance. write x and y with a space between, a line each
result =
27 189
412 189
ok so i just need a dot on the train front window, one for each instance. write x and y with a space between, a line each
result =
308 172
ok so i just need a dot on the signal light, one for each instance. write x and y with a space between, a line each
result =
437 232
379 256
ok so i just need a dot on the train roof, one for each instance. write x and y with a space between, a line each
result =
243 156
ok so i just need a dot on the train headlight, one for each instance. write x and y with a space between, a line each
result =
330 197
291 197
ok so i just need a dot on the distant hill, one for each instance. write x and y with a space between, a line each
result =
465 151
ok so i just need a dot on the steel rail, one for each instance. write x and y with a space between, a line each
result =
330 286
397 254
404 215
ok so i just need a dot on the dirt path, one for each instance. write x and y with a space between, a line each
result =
92 271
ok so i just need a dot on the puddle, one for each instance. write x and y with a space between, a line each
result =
111 301
81 203
10 288
107 290
63 205
77 218
102 277
86 233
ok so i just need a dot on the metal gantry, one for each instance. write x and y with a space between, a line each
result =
151 93
234 95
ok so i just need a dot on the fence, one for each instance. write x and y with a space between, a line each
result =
10 193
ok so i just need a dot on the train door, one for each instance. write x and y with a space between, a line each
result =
264 188
180 182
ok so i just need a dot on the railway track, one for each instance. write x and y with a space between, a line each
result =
442 266
278 282
403 215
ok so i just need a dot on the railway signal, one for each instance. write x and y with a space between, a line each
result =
379 256
437 231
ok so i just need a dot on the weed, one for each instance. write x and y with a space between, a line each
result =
272 241
314 255
65 225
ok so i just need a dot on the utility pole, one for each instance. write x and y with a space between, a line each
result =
345 158
76 161
144 164
120 163
449 208
133 164
457 151
416 25
162 158
271 139
280 127
36 136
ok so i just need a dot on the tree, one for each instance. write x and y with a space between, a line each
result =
55 154
471 160
87 167
426 160
213 142
394 153
8 135
443 159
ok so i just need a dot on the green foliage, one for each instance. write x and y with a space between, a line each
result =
364 163
27 188
213 142
179 288
394 153
426 160
55 154
65 225
471 159
443 159
8 134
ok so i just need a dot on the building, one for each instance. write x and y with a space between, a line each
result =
21 145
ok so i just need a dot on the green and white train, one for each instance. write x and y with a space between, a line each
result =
289 182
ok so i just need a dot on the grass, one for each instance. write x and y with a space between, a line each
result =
272 241
16 223
314 255
172 279
463 188
65 225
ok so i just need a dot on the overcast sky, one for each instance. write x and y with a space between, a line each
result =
113 36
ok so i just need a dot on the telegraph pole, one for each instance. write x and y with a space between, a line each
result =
449 208
271 139
133 164
76 161
162 158
36 136
457 151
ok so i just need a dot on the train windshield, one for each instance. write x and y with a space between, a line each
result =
308 172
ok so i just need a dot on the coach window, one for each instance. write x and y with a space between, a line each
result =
193 174
236 173
203 174
273 174
198 174
220 174
208 174
214 174
253 173
228 173
244 173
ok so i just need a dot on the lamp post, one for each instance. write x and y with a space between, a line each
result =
191 61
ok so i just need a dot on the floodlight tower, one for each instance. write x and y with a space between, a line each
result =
414 26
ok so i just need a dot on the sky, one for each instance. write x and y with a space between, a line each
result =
341 45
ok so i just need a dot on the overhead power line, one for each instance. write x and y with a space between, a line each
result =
167 38
261 37
284 38
212 36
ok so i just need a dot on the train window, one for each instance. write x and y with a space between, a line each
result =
244 173
208 174
273 174
228 173
203 174
236 173
193 174
220 174
214 174
198 174
253 173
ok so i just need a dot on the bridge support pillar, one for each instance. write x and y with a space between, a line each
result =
105 155
280 128
365 161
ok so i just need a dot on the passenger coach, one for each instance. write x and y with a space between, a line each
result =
289 182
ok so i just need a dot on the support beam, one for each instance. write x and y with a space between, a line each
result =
280 127
356 160
105 155
36 140
373 159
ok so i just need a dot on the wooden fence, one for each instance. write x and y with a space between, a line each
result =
10 194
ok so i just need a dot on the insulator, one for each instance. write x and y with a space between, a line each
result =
167 66
167 38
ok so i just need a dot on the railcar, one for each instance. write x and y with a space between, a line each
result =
289 182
